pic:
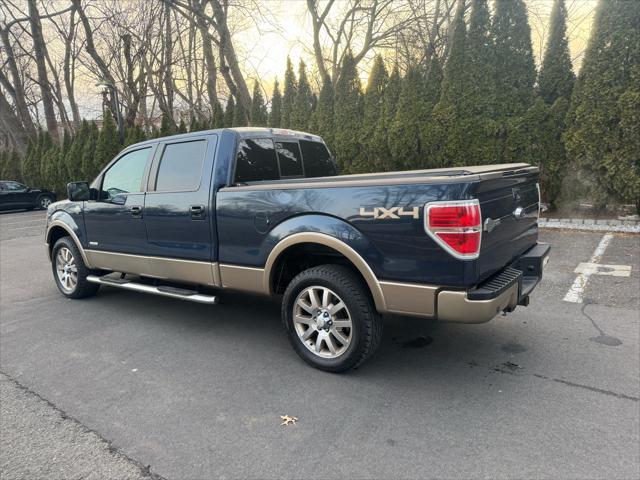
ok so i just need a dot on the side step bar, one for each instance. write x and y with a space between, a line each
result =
171 292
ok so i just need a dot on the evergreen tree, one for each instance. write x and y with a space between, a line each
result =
406 128
73 158
167 126
135 134
239 116
88 166
455 84
540 139
479 57
369 157
33 163
303 103
603 121
289 95
217 116
258 108
556 74
229 113
514 69
182 127
275 115
347 115
50 167
108 144
11 166
380 141
27 161
4 160
323 120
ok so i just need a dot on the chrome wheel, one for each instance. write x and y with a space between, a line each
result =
322 322
66 269
45 202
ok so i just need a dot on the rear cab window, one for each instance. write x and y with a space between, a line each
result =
265 159
289 159
317 159
180 168
256 161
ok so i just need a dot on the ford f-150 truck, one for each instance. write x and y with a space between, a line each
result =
264 211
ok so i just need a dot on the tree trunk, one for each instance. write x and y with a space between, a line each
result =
40 52
17 88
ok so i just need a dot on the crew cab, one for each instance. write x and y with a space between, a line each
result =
264 211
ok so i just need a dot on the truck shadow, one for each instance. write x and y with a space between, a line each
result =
412 349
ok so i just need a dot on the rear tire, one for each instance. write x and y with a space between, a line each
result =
69 270
330 318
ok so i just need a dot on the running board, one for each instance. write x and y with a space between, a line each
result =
171 292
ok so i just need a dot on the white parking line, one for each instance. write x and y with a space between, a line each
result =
576 292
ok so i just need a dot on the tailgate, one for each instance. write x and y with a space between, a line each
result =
509 204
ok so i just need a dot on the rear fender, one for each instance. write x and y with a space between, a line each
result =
330 232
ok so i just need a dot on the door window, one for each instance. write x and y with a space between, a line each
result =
125 176
181 166
256 160
316 158
290 159
14 187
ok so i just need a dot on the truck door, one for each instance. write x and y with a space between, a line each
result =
179 207
115 221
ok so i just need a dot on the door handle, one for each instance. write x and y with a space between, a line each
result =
197 212
136 211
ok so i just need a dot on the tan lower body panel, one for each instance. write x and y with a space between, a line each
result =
247 279
409 298
203 273
454 306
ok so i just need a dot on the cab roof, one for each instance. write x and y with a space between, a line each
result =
241 132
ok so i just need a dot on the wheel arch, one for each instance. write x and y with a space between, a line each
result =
58 229
324 243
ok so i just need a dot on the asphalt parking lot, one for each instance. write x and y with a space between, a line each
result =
129 386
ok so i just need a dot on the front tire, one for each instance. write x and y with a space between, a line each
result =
69 270
330 318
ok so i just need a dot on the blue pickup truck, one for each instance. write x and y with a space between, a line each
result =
264 211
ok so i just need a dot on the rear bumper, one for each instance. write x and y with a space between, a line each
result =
502 292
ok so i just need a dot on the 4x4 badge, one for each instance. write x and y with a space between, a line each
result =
394 213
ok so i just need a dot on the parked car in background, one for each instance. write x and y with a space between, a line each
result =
16 196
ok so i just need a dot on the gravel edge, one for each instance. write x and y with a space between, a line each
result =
39 440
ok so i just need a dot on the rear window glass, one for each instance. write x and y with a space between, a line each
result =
256 160
316 158
181 166
290 159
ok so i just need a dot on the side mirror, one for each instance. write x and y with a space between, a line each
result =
78 191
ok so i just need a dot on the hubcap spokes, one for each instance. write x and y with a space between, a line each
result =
322 322
66 269
45 202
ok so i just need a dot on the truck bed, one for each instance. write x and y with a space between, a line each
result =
254 217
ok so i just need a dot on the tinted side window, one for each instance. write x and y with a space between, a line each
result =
181 166
125 176
256 160
290 159
317 161
14 186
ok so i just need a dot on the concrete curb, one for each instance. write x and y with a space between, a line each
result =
589 224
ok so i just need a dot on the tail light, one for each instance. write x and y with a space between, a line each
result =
455 226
